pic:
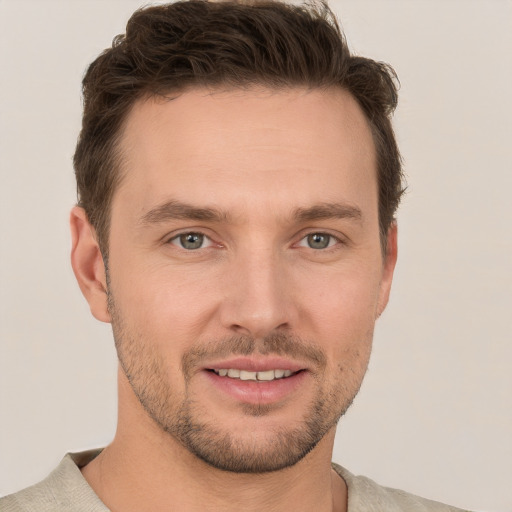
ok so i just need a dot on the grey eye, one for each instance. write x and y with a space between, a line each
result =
318 240
191 241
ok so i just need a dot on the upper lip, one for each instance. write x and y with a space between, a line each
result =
256 364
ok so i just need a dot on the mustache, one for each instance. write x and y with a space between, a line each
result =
281 344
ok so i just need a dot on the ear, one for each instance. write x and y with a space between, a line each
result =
388 268
87 263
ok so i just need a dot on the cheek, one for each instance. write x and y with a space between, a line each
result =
167 305
344 308
342 318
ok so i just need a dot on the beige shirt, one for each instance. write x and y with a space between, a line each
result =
66 490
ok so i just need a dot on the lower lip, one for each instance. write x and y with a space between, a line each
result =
257 392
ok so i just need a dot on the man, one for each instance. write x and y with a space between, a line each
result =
238 178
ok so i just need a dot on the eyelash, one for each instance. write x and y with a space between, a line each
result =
178 238
333 241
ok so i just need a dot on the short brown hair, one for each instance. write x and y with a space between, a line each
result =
169 48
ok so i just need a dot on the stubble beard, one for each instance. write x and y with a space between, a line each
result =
182 417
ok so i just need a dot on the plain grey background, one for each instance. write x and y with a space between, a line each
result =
434 415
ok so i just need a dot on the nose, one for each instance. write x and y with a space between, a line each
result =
258 296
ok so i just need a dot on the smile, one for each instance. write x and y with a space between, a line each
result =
267 375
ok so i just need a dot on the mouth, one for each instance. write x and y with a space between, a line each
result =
256 380
259 376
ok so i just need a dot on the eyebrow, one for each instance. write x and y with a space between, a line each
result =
177 210
324 211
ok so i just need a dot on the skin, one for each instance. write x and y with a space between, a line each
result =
268 162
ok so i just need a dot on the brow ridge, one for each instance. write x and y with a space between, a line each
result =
177 210
324 211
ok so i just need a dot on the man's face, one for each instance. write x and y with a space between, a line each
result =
245 239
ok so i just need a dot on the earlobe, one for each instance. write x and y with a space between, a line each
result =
88 265
388 268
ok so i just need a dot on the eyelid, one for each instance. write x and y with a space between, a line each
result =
338 240
174 239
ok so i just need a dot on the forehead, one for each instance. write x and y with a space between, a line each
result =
253 146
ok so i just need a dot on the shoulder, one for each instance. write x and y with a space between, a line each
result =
364 495
64 489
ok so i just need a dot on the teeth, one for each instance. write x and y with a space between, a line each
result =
247 375
267 375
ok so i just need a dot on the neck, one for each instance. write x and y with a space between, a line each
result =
145 468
